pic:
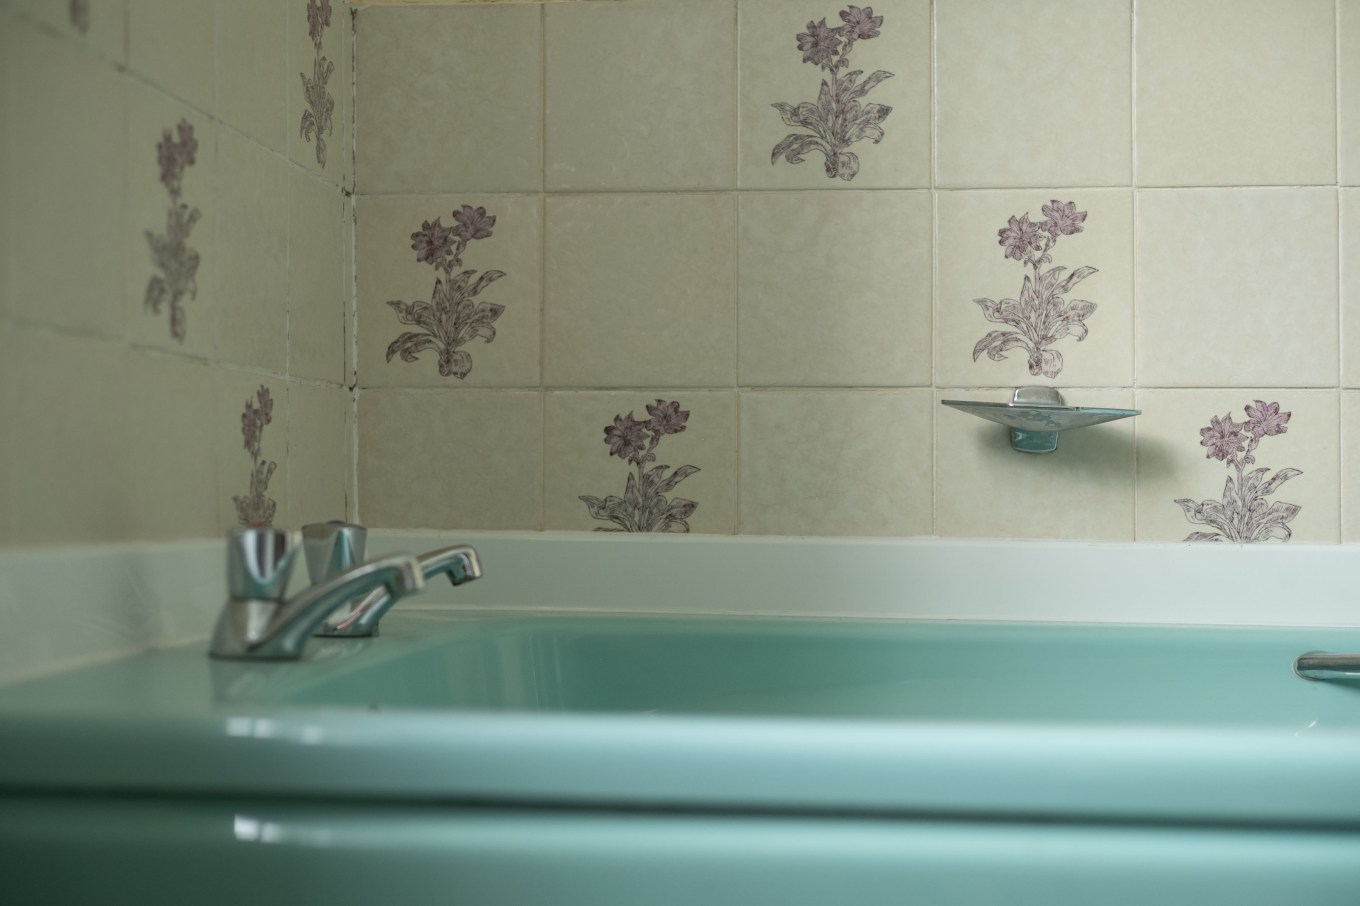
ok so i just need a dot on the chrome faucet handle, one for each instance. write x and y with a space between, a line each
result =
260 562
332 548
360 619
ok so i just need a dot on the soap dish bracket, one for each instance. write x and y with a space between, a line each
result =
1035 415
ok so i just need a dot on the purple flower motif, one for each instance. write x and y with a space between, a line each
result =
266 401
860 24
318 18
1020 237
1063 219
1266 419
1223 438
473 223
819 42
432 242
667 418
625 437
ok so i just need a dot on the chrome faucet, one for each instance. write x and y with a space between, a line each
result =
257 622
360 619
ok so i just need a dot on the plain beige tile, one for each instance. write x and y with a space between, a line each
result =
243 498
348 251
836 462
1236 92
154 119
317 309
1350 466
471 459
252 249
1032 93
62 97
8 124
640 291
578 461
773 71
657 110
320 453
449 99
973 264
1348 92
389 270
171 45
1237 288
332 113
169 474
100 25
1350 287
1083 491
1174 465
835 289
252 68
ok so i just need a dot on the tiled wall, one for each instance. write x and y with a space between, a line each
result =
1188 163
113 115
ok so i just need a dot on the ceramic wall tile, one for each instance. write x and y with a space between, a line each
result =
992 251
100 25
787 50
1237 288
836 462
56 182
656 110
317 300
835 289
252 248
251 432
1210 466
1350 287
1236 92
348 253
253 80
171 45
171 450
479 254
170 225
320 453
1348 93
1081 491
320 92
8 52
471 459
1350 466
596 444
450 99
1033 93
640 291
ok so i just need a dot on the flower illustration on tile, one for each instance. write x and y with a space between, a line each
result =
1244 514
170 251
838 119
317 118
644 506
79 12
451 318
1042 315
255 508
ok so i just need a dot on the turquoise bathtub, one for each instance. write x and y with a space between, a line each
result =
533 758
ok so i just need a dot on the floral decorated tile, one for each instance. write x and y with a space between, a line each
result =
252 456
320 90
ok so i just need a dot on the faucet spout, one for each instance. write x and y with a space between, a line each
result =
459 563
257 628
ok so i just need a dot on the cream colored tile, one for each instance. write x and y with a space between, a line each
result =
1237 288
420 466
1083 491
1033 93
64 403
170 455
1350 287
657 111
317 308
252 248
835 289
321 52
170 43
1236 92
1350 466
640 291
174 210
389 269
347 255
62 181
1173 464
1348 93
320 453
836 463
253 459
253 80
450 99
578 459
773 71
8 125
974 264
100 25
